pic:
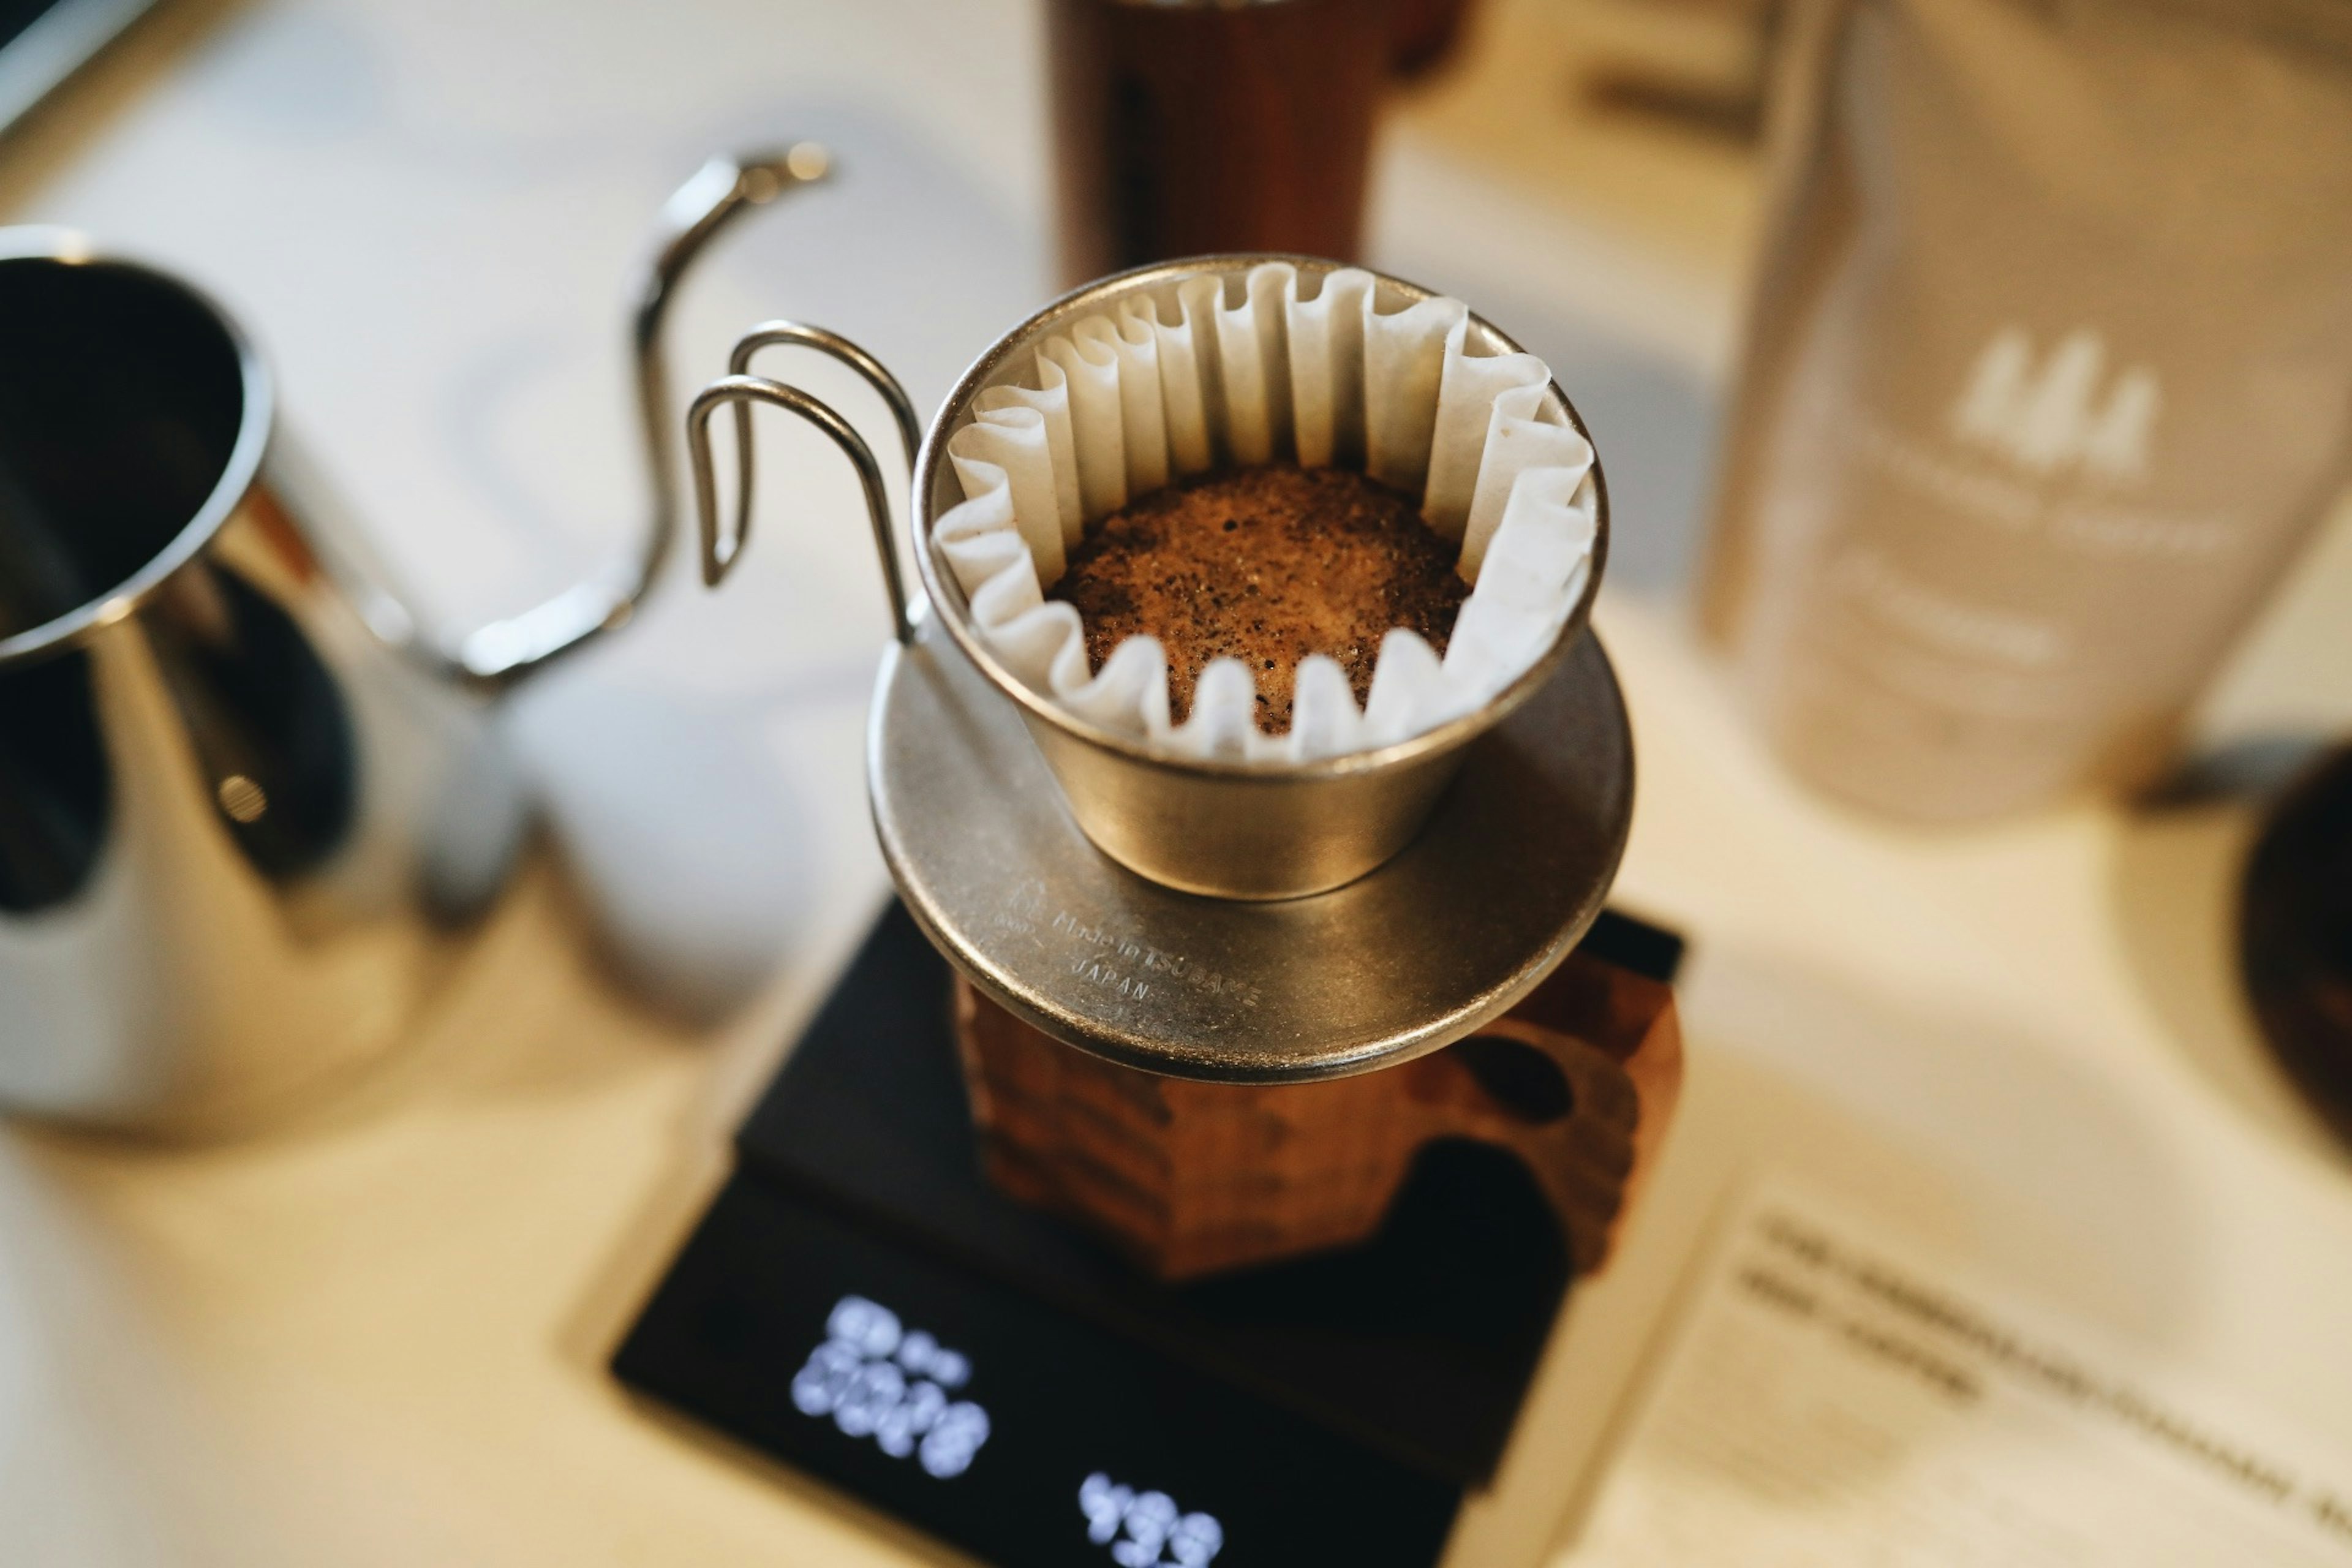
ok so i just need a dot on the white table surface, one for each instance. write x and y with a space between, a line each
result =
378 1337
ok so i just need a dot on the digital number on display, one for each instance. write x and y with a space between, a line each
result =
875 1378
1145 1530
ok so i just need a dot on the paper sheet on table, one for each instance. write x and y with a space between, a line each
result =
1831 1399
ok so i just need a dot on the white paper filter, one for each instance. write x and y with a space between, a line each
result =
1123 404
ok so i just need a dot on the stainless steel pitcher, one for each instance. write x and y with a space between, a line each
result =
248 806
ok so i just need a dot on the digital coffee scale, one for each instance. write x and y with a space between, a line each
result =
1096 1221
1329 1409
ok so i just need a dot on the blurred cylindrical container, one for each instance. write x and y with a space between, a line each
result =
2050 372
1195 127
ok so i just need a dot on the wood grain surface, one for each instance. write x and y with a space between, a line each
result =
1577 1081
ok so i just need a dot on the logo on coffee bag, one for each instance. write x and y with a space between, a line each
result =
2050 417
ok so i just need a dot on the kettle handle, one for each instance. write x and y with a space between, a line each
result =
504 651
723 547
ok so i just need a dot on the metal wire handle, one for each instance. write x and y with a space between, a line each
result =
721 549
776 334
504 651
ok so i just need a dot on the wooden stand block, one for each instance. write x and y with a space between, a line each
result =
1578 1081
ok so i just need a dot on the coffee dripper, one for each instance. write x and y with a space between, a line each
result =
1209 940
249 807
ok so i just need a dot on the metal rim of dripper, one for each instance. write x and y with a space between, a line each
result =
70 247
1467 919
955 613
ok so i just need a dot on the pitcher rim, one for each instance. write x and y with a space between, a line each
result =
72 248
